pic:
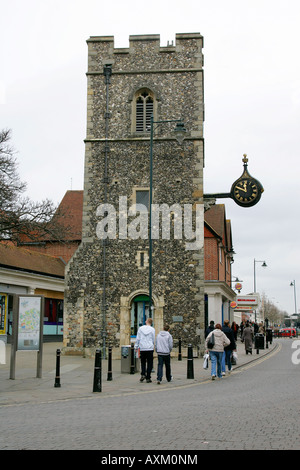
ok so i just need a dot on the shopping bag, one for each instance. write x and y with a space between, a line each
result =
205 361
234 358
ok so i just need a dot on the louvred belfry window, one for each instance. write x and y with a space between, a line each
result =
144 111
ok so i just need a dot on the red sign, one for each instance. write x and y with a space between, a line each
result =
248 299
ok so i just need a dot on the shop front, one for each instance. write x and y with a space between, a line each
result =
53 313
31 284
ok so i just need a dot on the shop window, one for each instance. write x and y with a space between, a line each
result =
53 316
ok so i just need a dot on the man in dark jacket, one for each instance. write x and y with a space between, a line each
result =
210 328
228 349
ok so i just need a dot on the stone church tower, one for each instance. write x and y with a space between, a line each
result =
110 275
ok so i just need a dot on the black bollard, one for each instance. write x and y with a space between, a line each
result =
97 387
179 350
190 363
268 337
109 369
132 359
57 375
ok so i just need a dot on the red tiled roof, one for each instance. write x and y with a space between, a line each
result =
26 260
215 217
68 217
69 214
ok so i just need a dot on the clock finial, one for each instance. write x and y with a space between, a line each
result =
245 159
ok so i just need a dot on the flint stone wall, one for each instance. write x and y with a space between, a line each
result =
174 75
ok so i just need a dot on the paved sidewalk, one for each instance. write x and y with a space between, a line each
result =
77 376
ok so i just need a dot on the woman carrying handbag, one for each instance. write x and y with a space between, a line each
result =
216 352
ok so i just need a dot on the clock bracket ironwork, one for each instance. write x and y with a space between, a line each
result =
210 199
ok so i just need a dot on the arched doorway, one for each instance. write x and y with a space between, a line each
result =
134 310
139 313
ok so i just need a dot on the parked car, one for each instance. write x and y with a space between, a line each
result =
285 332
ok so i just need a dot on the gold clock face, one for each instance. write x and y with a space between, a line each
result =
246 191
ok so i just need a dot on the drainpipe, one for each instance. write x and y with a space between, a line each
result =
107 74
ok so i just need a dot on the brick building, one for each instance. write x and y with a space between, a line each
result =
69 217
107 279
217 264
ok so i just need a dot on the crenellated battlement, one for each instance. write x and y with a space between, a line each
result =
155 38
146 52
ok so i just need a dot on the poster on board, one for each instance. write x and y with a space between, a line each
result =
3 310
29 323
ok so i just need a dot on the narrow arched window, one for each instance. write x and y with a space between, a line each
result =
144 110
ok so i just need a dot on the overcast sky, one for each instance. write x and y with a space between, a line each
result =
252 102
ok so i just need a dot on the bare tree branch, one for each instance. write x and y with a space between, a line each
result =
20 218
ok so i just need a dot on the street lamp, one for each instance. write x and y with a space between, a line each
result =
264 265
293 283
180 132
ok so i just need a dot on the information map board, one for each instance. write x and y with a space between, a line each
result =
29 323
27 332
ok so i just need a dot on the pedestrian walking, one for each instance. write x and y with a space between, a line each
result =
228 349
242 326
210 328
145 343
163 347
216 353
247 338
235 329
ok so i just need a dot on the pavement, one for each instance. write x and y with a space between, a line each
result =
76 376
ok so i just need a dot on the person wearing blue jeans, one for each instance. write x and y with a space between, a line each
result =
216 363
216 352
226 359
228 349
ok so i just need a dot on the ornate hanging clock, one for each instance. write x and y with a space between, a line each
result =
246 191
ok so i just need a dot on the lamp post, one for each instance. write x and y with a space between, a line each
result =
179 135
264 265
293 283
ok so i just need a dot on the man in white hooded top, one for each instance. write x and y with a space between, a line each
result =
145 343
163 347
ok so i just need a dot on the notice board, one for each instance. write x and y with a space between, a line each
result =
29 323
